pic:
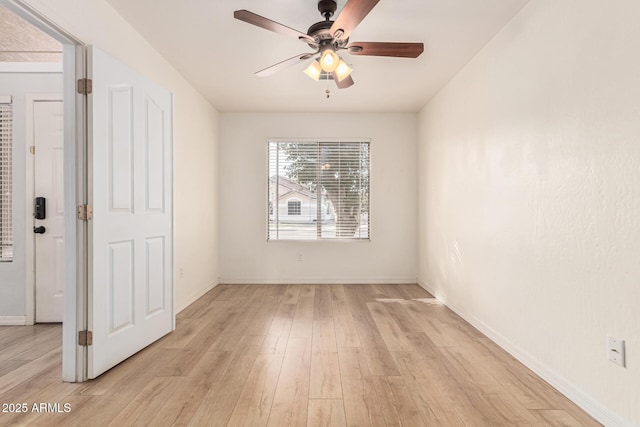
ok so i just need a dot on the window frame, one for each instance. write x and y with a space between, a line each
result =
370 145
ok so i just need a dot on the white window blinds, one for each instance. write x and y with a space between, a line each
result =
6 126
318 190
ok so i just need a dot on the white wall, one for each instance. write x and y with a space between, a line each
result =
195 137
13 274
529 183
245 255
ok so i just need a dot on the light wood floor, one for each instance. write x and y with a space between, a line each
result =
260 355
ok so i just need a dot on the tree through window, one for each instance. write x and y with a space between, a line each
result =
330 184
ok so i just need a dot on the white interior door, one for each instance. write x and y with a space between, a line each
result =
48 128
131 233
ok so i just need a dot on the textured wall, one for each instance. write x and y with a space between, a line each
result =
529 187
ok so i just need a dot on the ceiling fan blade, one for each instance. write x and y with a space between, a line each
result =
345 83
351 15
397 50
284 64
268 24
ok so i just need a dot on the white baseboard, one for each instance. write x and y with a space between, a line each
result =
573 393
13 320
317 281
191 299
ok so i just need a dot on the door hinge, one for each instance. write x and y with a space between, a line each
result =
32 149
85 212
85 338
85 86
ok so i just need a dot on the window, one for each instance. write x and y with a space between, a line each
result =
318 190
294 207
6 126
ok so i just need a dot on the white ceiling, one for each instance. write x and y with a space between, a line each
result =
219 54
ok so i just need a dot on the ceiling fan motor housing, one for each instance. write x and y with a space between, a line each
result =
320 31
327 8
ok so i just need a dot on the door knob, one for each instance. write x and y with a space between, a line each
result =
39 230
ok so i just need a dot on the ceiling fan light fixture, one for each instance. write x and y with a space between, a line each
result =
327 37
329 60
342 70
314 70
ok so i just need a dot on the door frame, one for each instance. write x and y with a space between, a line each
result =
75 171
30 181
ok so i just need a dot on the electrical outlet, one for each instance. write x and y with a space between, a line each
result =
299 257
615 351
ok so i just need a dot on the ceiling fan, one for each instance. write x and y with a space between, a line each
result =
329 37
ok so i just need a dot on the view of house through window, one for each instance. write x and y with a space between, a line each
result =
6 126
318 190
295 207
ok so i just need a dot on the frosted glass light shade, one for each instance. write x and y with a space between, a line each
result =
329 60
342 70
314 70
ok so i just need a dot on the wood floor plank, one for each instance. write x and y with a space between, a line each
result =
412 365
180 407
377 353
293 355
434 321
398 407
264 313
302 326
188 394
410 291
220 400
432 402
45 340
326 413
345 328
325 382
29 370
142 408
291 397
291 294
307 290
279 330
202 306
557 417
323 309
254 404
391 332
11 335
361 402
324 337
8 366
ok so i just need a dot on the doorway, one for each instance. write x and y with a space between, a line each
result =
34 51
31 67
117 211
47 165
